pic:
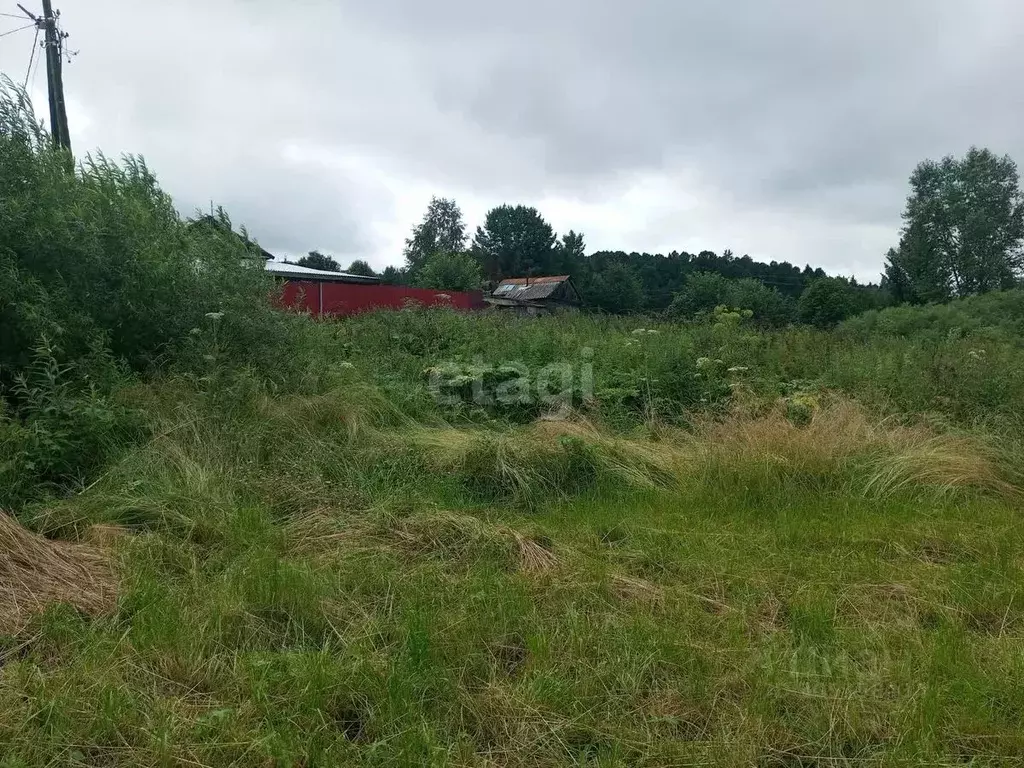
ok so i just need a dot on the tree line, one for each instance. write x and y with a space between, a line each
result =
962 234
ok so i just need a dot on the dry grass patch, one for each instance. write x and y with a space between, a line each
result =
534 556
324 530
547 458
770 615
842 443
632 589
882 605
452 535
682 719
36 572
464 537
439 533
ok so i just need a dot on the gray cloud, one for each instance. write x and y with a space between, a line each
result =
786 129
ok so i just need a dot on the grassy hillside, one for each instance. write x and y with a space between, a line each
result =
232 536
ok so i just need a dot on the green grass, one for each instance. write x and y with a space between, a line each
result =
322 580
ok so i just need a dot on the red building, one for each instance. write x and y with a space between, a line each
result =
340 294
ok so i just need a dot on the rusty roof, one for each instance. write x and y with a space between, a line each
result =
529 288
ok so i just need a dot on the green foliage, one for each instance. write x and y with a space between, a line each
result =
68 425
395 276
572 253
515 241
996 316
361 267
827 302
450 272
441 231
964 370
102 253
706 290
316 578
703 292
767 305
964 223
664 276
99 273
317 260
616 289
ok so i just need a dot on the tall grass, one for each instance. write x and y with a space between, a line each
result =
997 316
969 379
315 578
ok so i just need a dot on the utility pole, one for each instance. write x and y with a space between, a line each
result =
54 46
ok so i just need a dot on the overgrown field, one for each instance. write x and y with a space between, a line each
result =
233 536
813 561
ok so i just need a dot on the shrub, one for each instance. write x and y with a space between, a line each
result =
68 425
100 251
827 301
100 275
450 272
705 291
993 316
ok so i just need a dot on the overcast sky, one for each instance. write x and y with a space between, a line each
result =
786 130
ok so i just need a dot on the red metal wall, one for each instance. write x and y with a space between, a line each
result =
342 299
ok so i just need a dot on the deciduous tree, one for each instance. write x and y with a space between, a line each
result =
317 260
360 267
441 231
515 241
964 224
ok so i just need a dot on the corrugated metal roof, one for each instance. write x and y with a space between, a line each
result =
294 271
529 289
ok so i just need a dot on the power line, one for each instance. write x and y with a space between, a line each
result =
35 74
19 29
12 16
31 59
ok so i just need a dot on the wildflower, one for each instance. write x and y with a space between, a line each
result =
346 366
703 362
639 331
739 369
215 315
